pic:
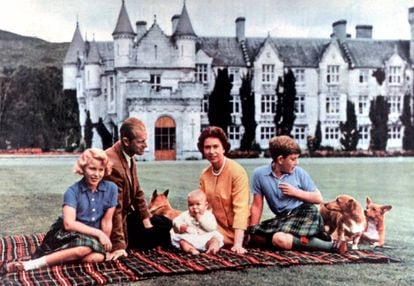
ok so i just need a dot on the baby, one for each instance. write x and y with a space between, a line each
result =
195 230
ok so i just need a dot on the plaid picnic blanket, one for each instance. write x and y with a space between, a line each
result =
141 265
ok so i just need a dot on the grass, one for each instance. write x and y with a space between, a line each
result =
31 195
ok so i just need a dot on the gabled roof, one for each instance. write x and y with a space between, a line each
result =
76 47
123 25
225 51
184 27
374 53
292 51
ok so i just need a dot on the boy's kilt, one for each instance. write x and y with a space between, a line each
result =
305 220
58 239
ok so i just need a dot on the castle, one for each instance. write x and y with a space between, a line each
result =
165 81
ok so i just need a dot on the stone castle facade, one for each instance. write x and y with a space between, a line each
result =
165 80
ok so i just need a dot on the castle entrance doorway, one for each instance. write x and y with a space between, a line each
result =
165 138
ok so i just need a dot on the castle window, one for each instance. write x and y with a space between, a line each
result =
234 75
204 104
111 89
332 104
395 103
394 74
363 104
201 74
268 103
363 76
299 76
363 133
394 132
268 73
234 132
267 132
155 82
299 133
155 51
235 107
331 132
332 74
300 104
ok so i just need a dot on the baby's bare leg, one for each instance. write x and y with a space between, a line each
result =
188 247
213 246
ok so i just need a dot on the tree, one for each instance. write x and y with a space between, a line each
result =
407 121
248 113
349 129
5 100
88 130
104 133
314 142
219 111
285 107
378 114
37 112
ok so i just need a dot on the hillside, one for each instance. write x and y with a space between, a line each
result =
16 50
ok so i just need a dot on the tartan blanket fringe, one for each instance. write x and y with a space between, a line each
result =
141 265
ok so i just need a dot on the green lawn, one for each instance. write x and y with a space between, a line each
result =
31 192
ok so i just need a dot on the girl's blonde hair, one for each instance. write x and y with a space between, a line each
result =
92 153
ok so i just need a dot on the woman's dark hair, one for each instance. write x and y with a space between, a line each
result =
215 132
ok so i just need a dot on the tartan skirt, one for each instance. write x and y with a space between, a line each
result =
57 238
305 220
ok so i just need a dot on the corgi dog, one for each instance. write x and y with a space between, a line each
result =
375 215
344 219
160 205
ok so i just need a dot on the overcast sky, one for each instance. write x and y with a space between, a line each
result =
55 20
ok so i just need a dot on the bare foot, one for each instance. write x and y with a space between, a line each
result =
213 246
194 251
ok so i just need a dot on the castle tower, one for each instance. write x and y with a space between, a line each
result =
92 87
185 39
123 36
73 60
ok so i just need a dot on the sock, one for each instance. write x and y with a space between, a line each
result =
35 263
311 243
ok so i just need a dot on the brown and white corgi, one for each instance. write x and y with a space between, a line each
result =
375 215
344 219
160 205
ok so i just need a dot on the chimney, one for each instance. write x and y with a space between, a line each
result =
240 21
411 21
141 28
174 22
339 30
363 31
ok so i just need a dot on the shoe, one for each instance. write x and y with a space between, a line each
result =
340 247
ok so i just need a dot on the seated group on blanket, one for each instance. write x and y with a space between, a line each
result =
105 213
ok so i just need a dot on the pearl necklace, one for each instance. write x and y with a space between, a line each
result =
217 173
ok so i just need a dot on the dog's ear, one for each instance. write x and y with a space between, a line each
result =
369 201
154 193
166 192
351 204
385 209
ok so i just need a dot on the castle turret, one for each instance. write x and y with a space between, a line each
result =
185 39
123 36
73 60
93 67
